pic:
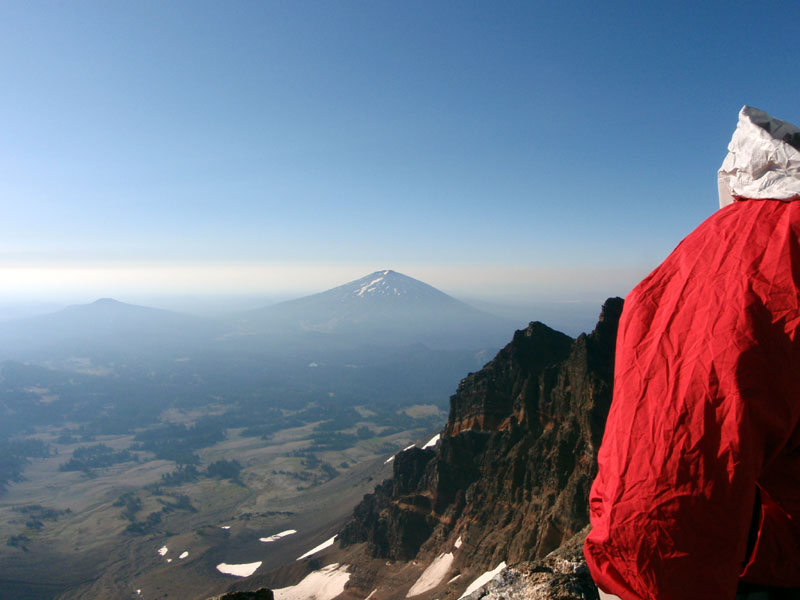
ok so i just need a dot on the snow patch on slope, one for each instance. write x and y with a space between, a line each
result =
433 441
483 580
277 536
433 575
325 584
243 570
322 546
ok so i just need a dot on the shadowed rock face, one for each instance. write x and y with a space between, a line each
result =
489 399
512 472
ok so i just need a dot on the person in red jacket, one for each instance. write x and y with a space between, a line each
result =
698 485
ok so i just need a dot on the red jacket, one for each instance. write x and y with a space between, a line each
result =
705 413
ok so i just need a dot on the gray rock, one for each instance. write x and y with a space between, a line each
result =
561 575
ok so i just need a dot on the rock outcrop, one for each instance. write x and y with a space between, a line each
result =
561 575
510 476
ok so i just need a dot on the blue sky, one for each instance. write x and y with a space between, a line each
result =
503 150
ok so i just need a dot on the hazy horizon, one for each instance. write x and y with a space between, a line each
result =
569 314
577 312
489 283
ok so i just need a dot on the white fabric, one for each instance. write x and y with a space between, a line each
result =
605 596
760 164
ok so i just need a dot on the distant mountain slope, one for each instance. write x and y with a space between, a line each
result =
383 308
111 315
102 325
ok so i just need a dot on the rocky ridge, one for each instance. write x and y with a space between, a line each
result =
510 477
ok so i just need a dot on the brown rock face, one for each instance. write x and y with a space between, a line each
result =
512 472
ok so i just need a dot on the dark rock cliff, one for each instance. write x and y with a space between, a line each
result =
511 473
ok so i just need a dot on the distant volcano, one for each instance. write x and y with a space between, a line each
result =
384 308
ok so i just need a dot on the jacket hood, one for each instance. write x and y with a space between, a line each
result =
763 160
